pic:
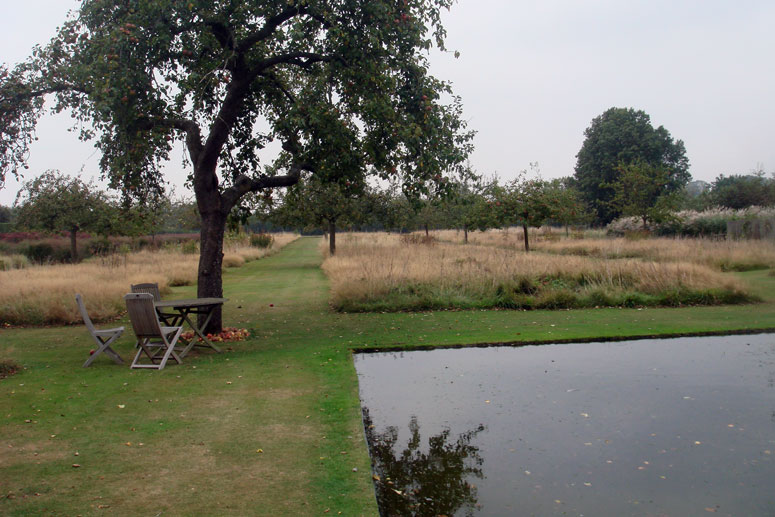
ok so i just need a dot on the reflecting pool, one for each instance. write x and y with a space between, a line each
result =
673 427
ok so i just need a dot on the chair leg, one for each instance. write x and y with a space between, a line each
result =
104 346
143 348
170 347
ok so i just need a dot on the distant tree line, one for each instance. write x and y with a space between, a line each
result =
625 167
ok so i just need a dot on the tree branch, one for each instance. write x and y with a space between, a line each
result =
245 184
302 59
193 133
222 33
269 27
14 99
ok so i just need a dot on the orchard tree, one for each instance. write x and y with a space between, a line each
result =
390 209
568 207
54 202
183 216
6 214
526 202
619 137
428 213
226 78
466 206
322 204
642 190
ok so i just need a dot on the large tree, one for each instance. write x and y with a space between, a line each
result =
226 78
618 137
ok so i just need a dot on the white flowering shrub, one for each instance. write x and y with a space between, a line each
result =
690 223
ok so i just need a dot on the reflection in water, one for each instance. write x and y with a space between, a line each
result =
416 481
653 427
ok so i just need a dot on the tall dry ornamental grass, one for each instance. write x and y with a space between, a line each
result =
723 255
46 294
367 272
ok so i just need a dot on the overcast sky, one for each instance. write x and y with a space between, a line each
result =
533 74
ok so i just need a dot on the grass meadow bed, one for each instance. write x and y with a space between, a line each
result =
387 272
44 294
723 255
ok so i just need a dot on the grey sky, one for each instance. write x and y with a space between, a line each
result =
533 74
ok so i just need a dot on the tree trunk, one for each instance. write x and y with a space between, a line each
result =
332 237
465 233
426 229
210 281
73 246
527 241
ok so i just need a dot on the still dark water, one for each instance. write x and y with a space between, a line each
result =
676 427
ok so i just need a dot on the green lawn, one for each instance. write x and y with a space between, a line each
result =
270 427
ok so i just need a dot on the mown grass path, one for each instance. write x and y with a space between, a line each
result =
270 427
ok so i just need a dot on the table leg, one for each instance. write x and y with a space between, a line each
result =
198 332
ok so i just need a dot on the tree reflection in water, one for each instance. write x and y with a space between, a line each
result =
422 481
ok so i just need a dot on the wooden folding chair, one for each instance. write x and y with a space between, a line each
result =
104 338
169 319
155 341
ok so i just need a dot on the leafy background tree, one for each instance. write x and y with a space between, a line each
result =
568 206
6 214
55 202
319 204
619 137
466 206
743 191
642 190
226 78
527 202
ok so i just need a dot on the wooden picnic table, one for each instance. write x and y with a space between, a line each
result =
196 306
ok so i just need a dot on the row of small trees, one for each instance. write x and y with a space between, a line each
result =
53 202
464 201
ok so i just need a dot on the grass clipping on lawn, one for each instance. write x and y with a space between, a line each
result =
372 272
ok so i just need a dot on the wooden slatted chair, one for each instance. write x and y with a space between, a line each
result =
156 342
169 319
104 338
